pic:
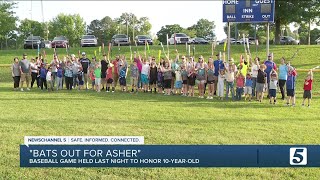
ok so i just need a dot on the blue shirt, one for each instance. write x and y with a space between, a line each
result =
249 82
123 71
218 64
43 73
60 73
291 81
269 65
283 72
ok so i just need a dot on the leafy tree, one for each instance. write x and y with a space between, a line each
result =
71 26
203 28
28 27
7 20
168 29
309 14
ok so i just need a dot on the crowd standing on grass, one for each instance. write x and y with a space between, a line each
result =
249 79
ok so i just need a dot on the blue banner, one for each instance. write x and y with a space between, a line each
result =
250 11
169 156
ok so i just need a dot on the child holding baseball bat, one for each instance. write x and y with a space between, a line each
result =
307 87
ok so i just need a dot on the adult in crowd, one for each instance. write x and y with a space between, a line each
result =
34 72
15 71
54 63
68 73
283 75
25 70
76 66
115 72
218 65
104 66
261 82
269 66
139 65
254 73
85 63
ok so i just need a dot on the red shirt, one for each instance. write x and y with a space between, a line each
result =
115 63
307 85
109 73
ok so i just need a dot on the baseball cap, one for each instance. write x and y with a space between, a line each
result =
83 53
72 55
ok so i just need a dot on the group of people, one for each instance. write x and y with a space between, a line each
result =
179 76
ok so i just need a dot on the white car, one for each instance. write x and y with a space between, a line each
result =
180 38
89 40
47 44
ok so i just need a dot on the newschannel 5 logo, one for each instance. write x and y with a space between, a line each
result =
298 156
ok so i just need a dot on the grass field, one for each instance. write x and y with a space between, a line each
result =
160 119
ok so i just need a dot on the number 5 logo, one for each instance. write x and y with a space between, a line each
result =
298 156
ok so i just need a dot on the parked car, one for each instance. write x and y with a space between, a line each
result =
141 39
32 42
47 44
289 40
60 42
120 39
88 40
199 40
179 38
232 41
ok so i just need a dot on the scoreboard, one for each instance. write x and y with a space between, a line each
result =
248 11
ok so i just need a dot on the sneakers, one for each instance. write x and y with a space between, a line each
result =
21 89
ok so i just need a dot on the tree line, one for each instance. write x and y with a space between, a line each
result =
13 31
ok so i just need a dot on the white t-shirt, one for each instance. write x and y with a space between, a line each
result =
145 69
34 68
178 76
254 71
54 66
48 77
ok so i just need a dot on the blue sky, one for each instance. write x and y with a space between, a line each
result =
160 13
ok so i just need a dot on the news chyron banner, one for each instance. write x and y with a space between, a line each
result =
130 151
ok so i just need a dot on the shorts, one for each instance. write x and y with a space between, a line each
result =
153 80
109 81
272 93
191 81
307 94
290 92
185 82
248 90
178 84
201 81
115 77
210 82
97 81
144 79
134 81
81 83
93 82
260 87
25 77
160 84
122 81
103 75
167 83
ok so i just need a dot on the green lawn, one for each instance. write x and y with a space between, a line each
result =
161 120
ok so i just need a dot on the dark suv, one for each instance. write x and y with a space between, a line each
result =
141 40
59 42
32 42
120 39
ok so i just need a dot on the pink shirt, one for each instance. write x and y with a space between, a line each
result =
240 81
139 64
